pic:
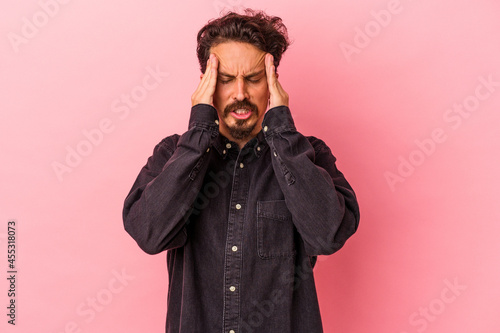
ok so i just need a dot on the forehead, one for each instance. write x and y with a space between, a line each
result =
237 58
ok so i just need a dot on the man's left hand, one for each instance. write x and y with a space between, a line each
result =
278 95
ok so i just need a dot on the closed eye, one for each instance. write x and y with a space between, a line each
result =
227 80
248 80
254 80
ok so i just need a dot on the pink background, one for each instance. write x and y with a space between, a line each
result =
377 80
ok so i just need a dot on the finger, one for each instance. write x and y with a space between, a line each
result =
208 70
199 96
271 77
269 70
277 95
207 87
213 69
208 74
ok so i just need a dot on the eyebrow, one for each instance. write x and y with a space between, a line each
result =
249 76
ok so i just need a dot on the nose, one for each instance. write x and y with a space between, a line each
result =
241 89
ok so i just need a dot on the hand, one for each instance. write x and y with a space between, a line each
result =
278 95
206 89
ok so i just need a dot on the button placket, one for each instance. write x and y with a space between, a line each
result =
233 256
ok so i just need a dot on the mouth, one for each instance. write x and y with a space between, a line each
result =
241 113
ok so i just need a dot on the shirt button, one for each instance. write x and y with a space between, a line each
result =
224 151
275 154
258 148
216 121
238 206
228 145
232 288
234 248
232 331
265 128
208 149
241 165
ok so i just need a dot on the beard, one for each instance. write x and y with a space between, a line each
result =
242 128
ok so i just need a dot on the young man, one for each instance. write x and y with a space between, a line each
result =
242 202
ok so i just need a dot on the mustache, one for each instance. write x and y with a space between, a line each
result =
244 104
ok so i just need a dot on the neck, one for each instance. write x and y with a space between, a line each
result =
241 142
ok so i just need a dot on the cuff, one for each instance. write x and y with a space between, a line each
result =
278 119
204 116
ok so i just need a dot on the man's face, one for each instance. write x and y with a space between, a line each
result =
241 94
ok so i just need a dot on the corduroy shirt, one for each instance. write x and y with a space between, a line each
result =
242 227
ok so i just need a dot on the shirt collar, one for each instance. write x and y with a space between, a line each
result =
225 147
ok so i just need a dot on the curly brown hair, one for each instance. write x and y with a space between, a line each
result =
267 33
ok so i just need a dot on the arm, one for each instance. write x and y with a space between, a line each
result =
160 202
322 203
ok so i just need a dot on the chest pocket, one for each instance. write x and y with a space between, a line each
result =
275 230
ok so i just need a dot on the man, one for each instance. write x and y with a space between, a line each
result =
242 202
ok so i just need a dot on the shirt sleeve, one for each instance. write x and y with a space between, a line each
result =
159 204
323 205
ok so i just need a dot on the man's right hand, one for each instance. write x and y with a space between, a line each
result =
206 89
